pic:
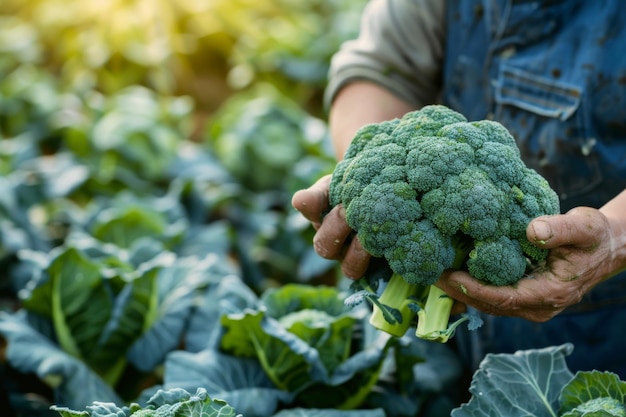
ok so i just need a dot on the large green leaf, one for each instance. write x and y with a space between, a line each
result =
594 394
175 402
352 381
135 311
321 412
97 313
293 297
525 384
127 219
241 382
193 292
180 403
300 334
303 337
318 316
80 304
287 360
30 352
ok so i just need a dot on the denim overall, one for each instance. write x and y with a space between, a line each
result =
554 73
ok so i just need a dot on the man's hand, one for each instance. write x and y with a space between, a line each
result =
334 239
585 249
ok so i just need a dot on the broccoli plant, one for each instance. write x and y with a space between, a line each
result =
432 191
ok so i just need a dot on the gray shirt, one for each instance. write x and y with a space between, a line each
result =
400 47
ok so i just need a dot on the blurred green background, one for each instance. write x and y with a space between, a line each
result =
214 104
139 136
205 49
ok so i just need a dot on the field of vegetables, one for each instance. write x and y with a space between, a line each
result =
149 255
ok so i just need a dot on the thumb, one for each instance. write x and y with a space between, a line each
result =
582 226
313 201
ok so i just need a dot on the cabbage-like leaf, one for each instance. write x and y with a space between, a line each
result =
527 383
422 376
318 316
289 362
75 384
179 403
352 381
97 311
178 287
127 218
594 393
228 295
317 412
294 351
16 230
165 403
303 338
280 302
239 381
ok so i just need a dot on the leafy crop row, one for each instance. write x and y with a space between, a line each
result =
148 256
150 261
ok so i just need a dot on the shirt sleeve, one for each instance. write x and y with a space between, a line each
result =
399 46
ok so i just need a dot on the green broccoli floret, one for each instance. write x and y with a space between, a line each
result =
384 212
468 202
432 191
364 136
499 262
368 168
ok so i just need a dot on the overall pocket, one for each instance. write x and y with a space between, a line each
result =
548 119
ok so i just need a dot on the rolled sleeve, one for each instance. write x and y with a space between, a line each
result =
400 47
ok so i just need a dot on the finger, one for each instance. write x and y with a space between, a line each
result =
491 299
452 290
582 226
312 202
355 260
526 300
331 236
456 283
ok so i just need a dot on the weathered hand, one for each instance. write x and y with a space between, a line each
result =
334 239
585 249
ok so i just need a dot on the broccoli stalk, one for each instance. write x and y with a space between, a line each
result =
434 316
430 304
400 302
394 311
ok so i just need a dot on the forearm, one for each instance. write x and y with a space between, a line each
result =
360 103
615 212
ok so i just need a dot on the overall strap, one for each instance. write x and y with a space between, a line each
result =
554 73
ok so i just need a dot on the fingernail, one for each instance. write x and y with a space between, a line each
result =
542 231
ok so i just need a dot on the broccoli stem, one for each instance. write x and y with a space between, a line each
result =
392 312
433 318
400 302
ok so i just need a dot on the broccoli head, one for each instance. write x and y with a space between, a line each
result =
432 191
